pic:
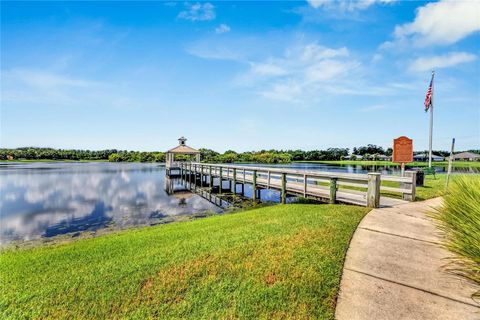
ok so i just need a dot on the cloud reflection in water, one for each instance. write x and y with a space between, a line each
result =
47 199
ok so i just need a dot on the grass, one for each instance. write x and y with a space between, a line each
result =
55 160
283 261
459 220
456 164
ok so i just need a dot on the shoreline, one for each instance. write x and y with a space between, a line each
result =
455 164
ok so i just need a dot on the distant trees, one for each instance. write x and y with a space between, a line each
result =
135 156
113 155
370 149
31 153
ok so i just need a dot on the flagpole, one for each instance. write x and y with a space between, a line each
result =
431 126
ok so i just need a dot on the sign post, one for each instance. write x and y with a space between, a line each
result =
450 160
402 151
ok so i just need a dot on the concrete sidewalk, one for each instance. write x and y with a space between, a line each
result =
393 270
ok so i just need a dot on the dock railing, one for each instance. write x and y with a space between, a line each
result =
332 187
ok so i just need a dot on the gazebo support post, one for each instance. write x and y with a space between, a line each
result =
220 182
234 181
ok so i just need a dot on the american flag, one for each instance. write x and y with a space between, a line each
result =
428 98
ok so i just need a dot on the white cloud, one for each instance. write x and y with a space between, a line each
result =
42 79
267 69
198 12
435 62
300 73
440 23
223 28
49 88
346 5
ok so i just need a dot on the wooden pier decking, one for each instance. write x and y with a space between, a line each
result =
330 187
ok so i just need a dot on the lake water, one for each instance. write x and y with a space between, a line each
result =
45 199
48 199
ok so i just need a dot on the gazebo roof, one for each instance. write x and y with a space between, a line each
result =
182 148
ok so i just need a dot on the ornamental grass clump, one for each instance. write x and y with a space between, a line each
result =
459 221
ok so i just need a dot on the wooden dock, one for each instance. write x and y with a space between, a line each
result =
329 187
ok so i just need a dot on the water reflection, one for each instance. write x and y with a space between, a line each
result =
47 199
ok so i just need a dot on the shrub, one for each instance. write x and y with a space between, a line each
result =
459 221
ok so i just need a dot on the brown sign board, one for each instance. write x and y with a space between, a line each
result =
402 150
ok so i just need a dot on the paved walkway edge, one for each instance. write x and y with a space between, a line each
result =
393 270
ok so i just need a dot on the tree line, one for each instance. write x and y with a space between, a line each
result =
207 155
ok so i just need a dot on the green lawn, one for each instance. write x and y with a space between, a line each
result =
457 164
283 261
54 160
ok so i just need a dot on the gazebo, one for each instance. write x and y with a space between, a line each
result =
181 149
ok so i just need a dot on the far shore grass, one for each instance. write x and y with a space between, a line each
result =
283 261
456 164
53 160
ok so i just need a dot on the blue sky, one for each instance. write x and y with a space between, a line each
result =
238 75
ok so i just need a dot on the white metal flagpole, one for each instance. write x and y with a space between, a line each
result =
431 126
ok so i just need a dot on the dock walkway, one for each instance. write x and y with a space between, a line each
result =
331 187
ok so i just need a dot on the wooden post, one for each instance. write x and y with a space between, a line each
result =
190 175
211 177
194 176
234 181
304 185
333 190
244 176
201 176
254 185
413 186
220 184
373 191
284 188
268 182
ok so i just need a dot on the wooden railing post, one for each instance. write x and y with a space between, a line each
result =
373 191
333 190
412 185
268 182
201 176
304 185
243 176
254 185
284 188
190 175
234 181
211 177
220 185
